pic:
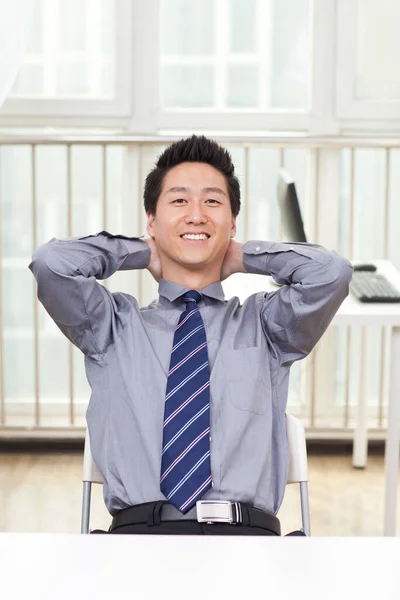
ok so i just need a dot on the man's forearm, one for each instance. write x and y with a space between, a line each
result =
291 263
98 255
315 283
66 272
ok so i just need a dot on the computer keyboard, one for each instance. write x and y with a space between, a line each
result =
367 286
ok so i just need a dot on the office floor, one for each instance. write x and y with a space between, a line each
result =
42 493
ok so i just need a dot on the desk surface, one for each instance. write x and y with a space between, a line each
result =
351 312
166 567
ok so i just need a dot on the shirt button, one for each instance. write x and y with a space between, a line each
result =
258 249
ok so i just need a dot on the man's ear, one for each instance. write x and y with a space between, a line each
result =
149 227
233 230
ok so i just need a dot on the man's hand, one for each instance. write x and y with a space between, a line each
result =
233 261
154 265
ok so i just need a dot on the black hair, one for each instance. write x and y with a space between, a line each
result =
193 149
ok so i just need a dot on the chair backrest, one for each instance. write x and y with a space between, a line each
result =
298 472
91 474
90 471
298 466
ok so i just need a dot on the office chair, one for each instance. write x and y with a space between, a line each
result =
90 475
298 466
298 472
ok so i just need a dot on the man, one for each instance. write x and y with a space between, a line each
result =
189 393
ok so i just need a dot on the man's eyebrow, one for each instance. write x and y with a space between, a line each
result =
177 189
214 190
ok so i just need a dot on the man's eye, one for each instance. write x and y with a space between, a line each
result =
213 200
180 200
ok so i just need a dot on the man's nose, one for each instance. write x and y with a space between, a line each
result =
195 214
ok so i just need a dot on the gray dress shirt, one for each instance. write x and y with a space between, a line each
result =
250 347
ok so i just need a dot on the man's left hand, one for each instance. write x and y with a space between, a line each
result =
233 261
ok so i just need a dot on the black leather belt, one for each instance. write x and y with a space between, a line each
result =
208 512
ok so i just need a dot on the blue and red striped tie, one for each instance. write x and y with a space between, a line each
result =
185 464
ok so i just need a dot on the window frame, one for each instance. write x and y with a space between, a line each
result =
148 117
349 107
136 110
83 112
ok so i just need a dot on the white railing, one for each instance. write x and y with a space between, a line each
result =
64 186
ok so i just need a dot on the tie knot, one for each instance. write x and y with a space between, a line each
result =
192 296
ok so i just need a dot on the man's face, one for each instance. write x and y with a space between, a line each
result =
194 200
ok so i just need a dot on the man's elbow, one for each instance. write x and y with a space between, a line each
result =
38 264
46 266
341 273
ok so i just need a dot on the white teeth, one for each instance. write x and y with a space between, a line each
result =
193 236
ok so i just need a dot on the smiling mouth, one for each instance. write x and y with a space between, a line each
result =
195 238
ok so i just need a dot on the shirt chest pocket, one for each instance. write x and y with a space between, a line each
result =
249 387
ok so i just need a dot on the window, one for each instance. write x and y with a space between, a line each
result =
70 51
220 60
161 66
76 64
235 54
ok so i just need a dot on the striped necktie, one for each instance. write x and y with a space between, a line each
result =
185 464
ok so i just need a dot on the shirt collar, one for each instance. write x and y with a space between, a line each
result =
172 291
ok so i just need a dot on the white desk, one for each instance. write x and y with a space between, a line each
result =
353 312
65 566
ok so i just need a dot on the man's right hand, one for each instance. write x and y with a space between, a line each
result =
154 265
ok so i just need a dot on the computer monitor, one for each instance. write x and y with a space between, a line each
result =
291 220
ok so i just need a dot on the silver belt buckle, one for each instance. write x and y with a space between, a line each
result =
214 511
